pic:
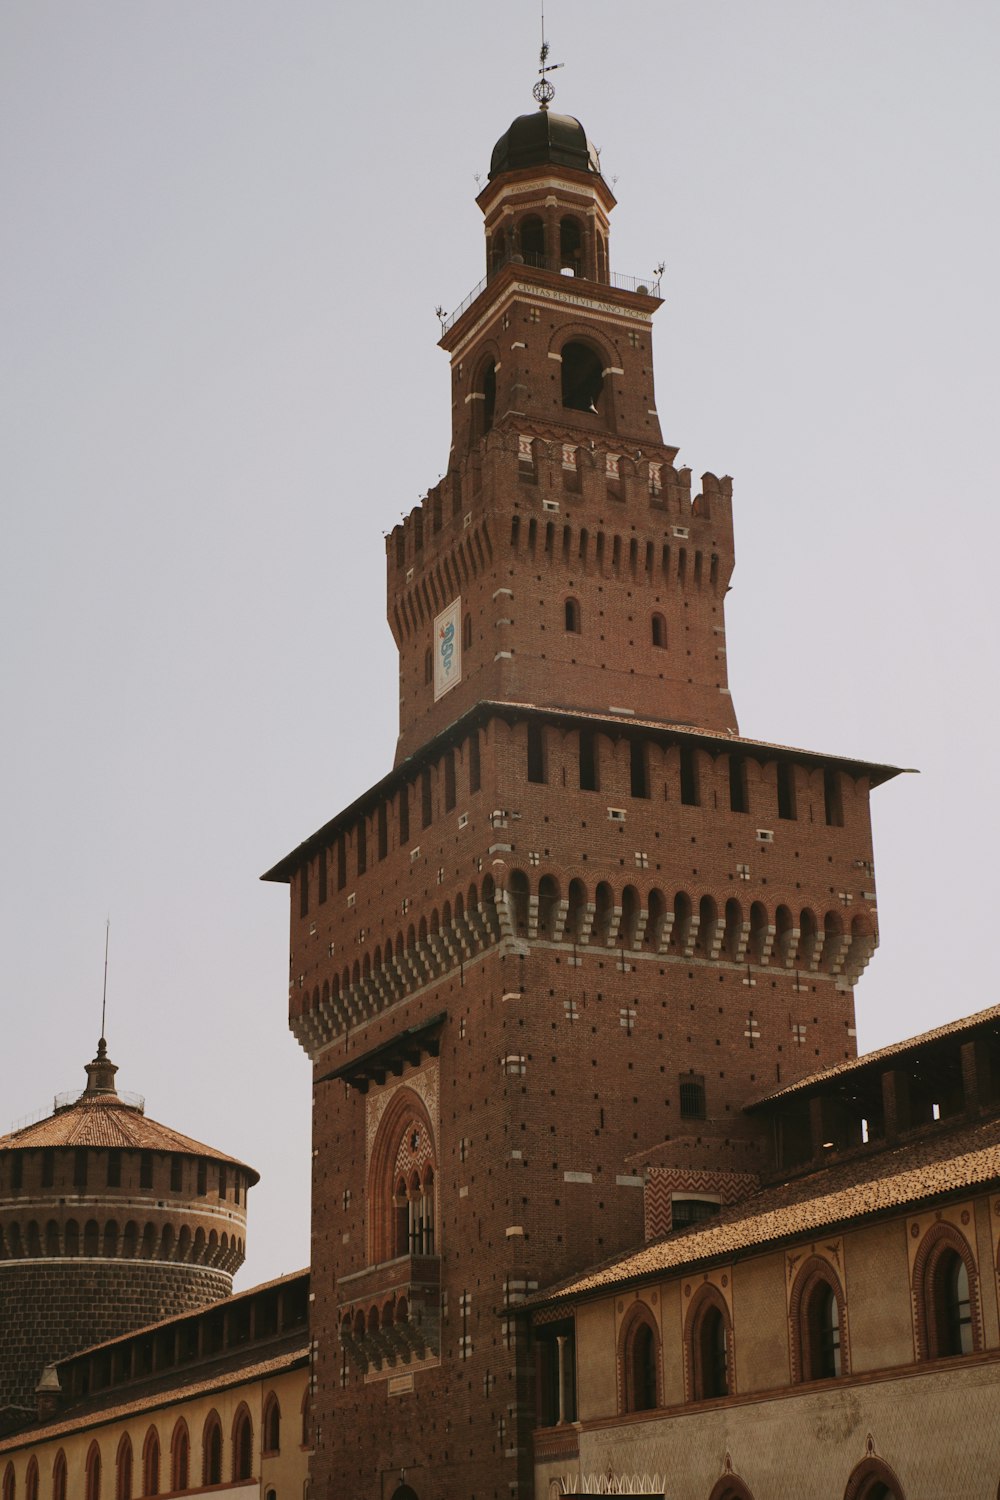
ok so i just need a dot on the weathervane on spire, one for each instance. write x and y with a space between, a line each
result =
543 91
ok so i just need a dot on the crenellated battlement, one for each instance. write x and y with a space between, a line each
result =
571 475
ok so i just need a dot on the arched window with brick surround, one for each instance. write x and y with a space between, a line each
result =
272 1424
211 1450
873 1480
92 1474
151 1463
402 1181
730 1487
180 1456
59 1476
708 1346
9 1488
946 1295
31 1479
817 1312
123 1469
639 1360
242 1444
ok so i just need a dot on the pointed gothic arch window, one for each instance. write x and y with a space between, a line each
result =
151 1463
31 1479
873 1480
92 1476
211 1450
730 1487
9 1489
272 1425
59 1476
180 1456
123 1469
402 1182
242 1445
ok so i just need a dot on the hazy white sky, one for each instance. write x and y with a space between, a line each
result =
225 228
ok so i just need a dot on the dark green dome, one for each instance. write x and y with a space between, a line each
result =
543 139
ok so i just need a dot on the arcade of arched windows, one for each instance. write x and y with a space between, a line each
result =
390 1332
129 1477
614 555
650 922
111 1240
567 242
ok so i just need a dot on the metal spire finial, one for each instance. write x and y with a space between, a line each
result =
543 91
104 995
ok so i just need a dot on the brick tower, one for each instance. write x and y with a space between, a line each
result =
581 922
108 1221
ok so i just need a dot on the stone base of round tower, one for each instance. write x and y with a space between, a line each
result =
49 1309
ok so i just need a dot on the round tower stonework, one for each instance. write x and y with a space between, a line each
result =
108 1221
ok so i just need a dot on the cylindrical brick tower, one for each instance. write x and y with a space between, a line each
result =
108 1221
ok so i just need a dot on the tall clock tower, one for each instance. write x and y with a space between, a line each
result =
581 922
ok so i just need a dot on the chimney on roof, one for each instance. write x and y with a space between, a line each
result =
101 1072
48 1393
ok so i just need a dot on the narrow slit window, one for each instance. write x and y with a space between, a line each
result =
449 780
475 770
786 790
426 805
536 753
639 769
689 776
832 799
738 784
588 762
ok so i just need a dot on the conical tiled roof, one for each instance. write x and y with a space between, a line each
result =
101 1118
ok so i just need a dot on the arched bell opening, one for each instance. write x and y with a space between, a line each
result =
582 378
571 250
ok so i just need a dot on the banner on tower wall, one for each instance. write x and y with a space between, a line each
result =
447 648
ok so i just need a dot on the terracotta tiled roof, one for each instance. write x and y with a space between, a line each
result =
105 1120
258 1370
939 1164
895 1049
